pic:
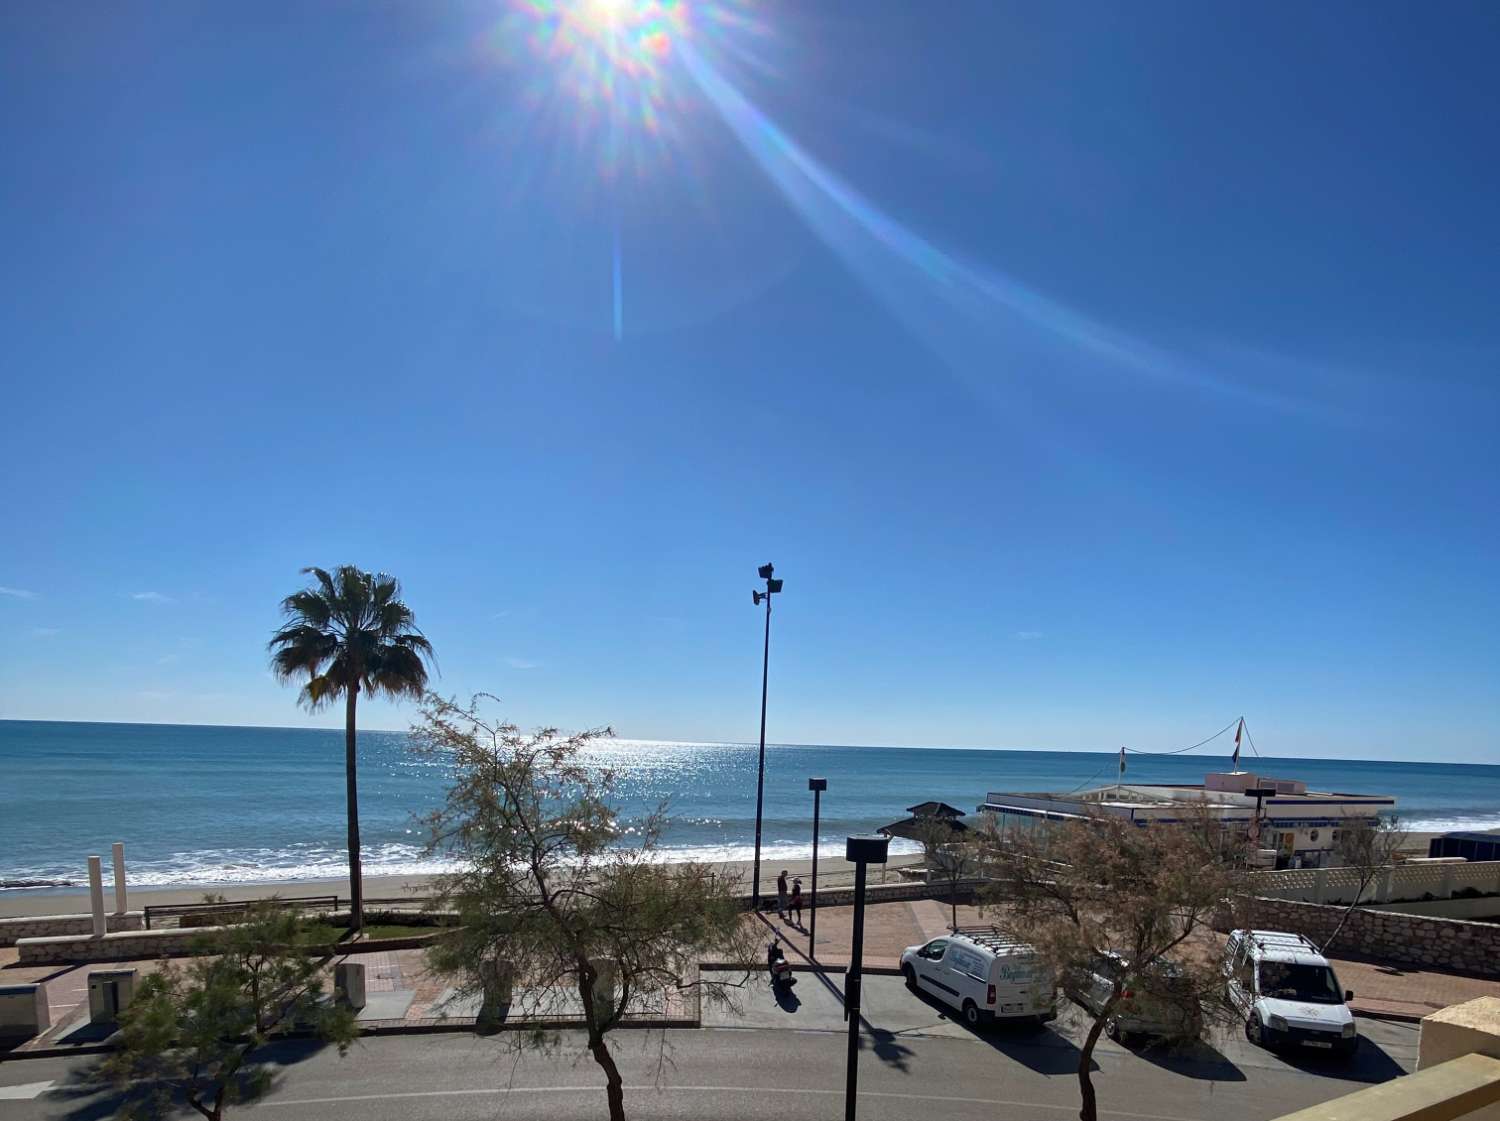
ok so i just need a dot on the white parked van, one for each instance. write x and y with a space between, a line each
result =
985 975
1287 992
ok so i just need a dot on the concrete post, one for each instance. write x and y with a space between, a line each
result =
1320 885
119 852
1383 885
1445 889
96 894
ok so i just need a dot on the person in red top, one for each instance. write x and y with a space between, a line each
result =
796 904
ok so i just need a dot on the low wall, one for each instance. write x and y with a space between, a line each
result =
47 926
1399 883
1469 947
876 893
139 945
1485 907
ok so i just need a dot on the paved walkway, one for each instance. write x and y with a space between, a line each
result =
402 992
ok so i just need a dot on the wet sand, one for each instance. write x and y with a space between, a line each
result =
833 871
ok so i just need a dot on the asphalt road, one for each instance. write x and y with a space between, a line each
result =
914 1062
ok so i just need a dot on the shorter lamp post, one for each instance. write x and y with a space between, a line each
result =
1258 792
859 851
817 786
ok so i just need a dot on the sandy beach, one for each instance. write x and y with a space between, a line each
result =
833 871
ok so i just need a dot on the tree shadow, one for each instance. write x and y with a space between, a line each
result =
93 1096
886 1046
1196 1058
1038 1047
1369 1063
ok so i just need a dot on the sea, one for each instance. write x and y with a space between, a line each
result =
207 805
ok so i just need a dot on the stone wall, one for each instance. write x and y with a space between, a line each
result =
1414 940
139 945
47 926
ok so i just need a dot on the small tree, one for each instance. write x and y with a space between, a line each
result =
949 853
192 1031
554 893
1107 889
1367 848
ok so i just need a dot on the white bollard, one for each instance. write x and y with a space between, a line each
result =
96 894
119 878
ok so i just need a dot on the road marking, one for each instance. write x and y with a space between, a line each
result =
25 1092
499 1090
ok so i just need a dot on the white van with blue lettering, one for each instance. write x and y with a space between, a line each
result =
984 974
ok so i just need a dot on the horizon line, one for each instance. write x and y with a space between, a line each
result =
753 743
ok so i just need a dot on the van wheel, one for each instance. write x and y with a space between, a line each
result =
971 1013
911 977
1252 1030
1112 1029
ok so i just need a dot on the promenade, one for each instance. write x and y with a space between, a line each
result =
403 994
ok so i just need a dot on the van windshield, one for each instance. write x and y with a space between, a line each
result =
1314 984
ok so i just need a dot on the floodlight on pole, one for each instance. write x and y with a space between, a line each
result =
773 587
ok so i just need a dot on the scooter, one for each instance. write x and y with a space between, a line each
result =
778 967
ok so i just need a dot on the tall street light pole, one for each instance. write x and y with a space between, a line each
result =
859 851
817 786
772 587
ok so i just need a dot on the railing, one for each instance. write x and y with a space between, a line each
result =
159 911
1392 884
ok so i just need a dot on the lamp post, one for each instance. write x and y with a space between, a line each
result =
860 851
817 786
1258 792
772 587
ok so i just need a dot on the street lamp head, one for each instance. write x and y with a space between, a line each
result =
757 596
773 586
766 570
817 784
866 849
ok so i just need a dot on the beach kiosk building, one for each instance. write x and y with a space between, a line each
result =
1300 826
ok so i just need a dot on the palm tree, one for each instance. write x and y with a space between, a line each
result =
350 631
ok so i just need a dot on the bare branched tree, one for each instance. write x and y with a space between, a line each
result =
1111 908
565 910
1367 848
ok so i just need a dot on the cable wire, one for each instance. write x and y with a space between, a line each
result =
1200 743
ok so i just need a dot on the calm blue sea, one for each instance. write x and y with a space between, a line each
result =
215 805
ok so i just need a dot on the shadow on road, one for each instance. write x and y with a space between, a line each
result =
1196 1059
1369 1063
1038 1047
93 1096
886 1046
786 998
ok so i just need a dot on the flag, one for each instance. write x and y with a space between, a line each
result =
1237 733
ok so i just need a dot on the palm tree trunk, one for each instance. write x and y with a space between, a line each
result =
351 785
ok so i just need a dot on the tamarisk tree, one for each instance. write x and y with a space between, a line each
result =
566 910
1104 897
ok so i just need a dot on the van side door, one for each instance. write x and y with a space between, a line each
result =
929 967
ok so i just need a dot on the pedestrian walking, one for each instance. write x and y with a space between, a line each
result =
796 903
781 895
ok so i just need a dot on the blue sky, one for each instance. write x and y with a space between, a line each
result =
1093 374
